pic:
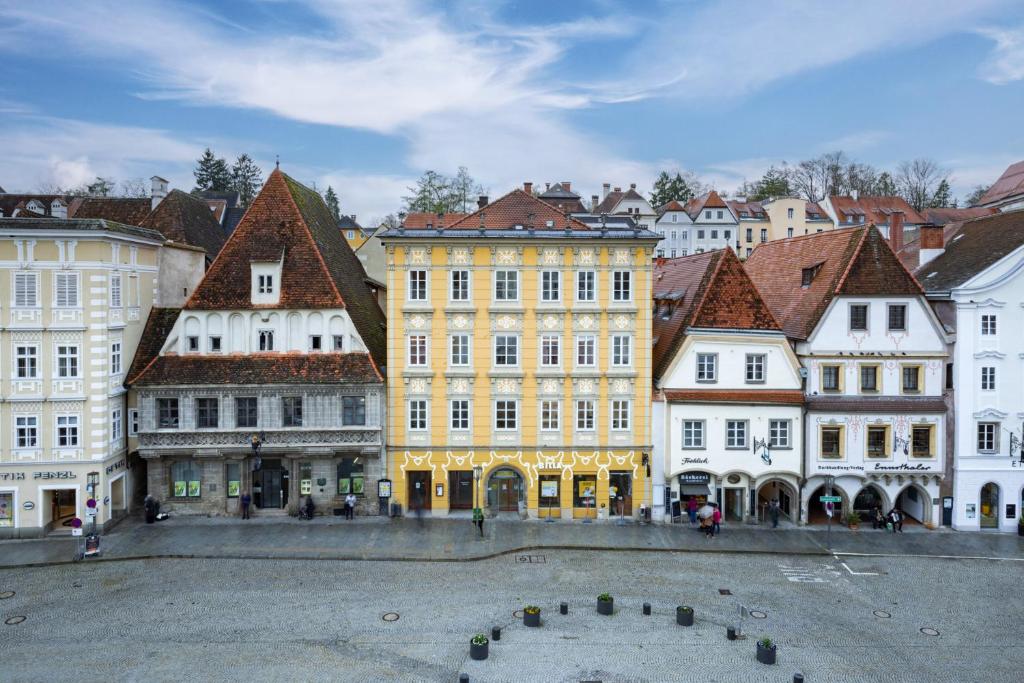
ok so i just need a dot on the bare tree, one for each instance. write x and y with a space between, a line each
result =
134 187
810 179
918 180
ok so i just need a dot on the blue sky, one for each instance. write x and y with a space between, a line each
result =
366 95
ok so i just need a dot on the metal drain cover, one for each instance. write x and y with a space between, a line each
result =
929 631
390 616
6 594
756 614
12 621
724 591
518 614
882 614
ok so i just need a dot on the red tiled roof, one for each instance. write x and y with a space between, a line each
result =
910 254
158 325
854 261
876 209
811 208
709 200
517 208
709 290
182 217
671 206
753 209
793 397
881 404
420 219
976 246
950 215
1009 184
128 210
260 369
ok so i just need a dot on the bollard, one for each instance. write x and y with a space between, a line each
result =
730 633
496 633
463 678
563 608
798 678
647 609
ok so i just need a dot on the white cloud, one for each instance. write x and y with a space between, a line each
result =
1006 62
855 142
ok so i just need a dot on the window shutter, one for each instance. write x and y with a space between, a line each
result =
67 290
115 291
25 289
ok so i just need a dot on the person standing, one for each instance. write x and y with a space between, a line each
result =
897 522
773 513
716 518
350 505
691 510
246 501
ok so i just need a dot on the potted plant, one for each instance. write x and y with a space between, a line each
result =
684 615
605 604
853 519
531 616
478 647
766 651
1020 526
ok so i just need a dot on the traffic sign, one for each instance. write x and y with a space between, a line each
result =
91 503
76 523
830 499
90 512
76 532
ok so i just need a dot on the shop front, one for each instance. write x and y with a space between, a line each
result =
988 494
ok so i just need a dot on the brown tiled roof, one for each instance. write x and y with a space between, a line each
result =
128 210
609 202
158 325
517 208
814 212
868 404
420 219
709 290
977 245
876 209
8 202
793 397
671 206
181 217
1009 184
260 369
949 215
708 200
320 269
910 254
855 261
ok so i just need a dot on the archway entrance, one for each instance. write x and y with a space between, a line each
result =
989 512
869 498
779 490
504 490
816 513
915 504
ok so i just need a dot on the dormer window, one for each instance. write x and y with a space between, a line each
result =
266 282
807 274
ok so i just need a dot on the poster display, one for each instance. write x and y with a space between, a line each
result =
234 487
306 486
180 489
194 488
549 488
7 509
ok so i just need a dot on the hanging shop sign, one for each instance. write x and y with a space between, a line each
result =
116 466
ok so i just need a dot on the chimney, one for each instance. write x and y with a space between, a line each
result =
566 185
855 194
932 243
618 189
481 201
354 218
606 188
632 186
528 188
547 186
593 203
896 230
157 191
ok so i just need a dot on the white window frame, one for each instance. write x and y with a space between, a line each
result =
465 286
586 415
133 422
66 295
586 283
550 286
460 408
779 433
622 350
265 283
507 279
989 325
25 289
215 343
758 362
64 362
550 415
514 345
418 288
586 351
421 406
987 437
622 410
692 434
72 424
417 350
706 362
622 286
30 425
511 410
116 294
459 348
115 358
549 343
31 361
265 339
116 425
988 378
737 433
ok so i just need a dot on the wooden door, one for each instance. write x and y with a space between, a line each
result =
419 490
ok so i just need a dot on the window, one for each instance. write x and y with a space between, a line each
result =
749 251
831 442
661 253
988 325
706 367
266 340
353 410
67 431
207 413
707 215
789 232
778 433
859 317
877 439
417 415
192 343
233 477
550 285
550 416
719 216
133 422
988 433
869 378
911 379
67 361
674 233
830 378
693 433
585 346
186 479
506 415
897 317
750 234
215 345
460 414
621 290
246 412
459 349
620 415
675 219
621 350
550 350
764 234
417 285
789 213
921 441
167 413
506 285
988 378
584 491
339 342
727 235
460 285
65 288
350 477
316 342
115 358
735 433
586 285
755 368
684 237
116 425
418 349
115 290
26 290
585 415
506 350
26 431
27 361
265 284
291 411
714 234
700 234
350 234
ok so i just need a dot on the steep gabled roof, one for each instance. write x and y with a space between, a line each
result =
670 206
708 200
852 261
517 208
181 217
158 325
977 245
875 209
128 210
8 202
710 291
1011 183
320 270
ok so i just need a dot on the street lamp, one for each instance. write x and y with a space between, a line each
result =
257 445
92 481
478 513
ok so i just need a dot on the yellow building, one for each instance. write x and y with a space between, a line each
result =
519 363
776 219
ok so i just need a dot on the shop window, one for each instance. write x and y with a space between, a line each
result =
6 509
353 410
233 477
350 476
305 478
584 490
186 479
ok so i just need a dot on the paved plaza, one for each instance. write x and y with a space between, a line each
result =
835 619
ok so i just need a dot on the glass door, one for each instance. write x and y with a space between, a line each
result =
620 485
989 506
460 490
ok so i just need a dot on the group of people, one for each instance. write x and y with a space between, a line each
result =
893 521
307 509
709 516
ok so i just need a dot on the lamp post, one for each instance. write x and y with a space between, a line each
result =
92 481
478 513
829 480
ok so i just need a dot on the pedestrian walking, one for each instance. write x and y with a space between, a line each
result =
890 520
691 510
878 519
773 513
246 502
716 518
707 524
350 505
897 521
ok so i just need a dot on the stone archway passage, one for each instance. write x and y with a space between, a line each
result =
916 504
988 510
505 490
777 489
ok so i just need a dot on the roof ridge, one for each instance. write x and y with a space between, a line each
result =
704 294
836 286
309 233
760 296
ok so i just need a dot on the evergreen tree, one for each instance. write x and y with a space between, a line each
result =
246 179
101 187
331 199
943 196
667 188
975 196
211 173
885 186
774 183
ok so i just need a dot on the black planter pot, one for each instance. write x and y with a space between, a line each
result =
684 616
1020 529
563 608
730 632
479 652
532 620
766 655
606 607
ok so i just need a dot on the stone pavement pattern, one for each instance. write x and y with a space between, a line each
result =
209 620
